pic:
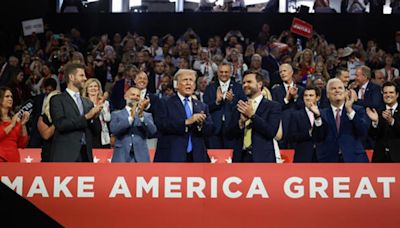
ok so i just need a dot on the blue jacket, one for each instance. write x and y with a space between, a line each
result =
174 135
264 128
131 135
347 140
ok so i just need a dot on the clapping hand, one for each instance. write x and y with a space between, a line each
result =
245 109
24 118
229 95
387 115
372 114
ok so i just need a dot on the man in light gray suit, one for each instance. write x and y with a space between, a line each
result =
132 126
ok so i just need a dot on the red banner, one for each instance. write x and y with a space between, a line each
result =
211 195
301 28
32 155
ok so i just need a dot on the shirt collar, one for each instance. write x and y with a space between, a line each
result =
143 93
334 108
394 107
225 83
182 98
258 99
71 93
286 85
365 85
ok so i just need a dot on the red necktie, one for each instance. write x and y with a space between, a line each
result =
362 93
337 119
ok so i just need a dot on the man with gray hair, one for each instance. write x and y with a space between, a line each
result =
183 123
369 94
341 127
255 65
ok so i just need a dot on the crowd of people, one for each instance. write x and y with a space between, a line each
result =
253 95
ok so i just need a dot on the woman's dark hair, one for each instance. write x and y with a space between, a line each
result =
3 91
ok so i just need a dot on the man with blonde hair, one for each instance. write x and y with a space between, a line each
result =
183 123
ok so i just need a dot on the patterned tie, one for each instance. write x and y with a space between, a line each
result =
362 93
79 103
247 128
188 115
338 119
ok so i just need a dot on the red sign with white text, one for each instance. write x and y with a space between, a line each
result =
211 195
301 28
32 155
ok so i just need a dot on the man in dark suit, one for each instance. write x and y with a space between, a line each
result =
340 128
8 69
155 77
271 64
385 127
394 48
35 139
301 124
141 82
368 93
254 123
290 96
73 117
121 86
221 98
183 124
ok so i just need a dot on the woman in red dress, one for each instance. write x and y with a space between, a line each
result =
13 134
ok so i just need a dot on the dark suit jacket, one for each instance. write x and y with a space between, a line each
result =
278 94
152 86
264 127
348 140
372 97
35 140
388 137
299 135
271 64
174 135
70 127
117 95
225 108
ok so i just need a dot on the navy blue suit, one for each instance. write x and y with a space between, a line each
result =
348 140
174 135
372 97
218 140
303 143
264 127
278 94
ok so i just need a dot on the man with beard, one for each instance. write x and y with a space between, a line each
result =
255 123
131 126
73 117
385 126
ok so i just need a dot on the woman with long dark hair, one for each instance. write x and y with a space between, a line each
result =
13 134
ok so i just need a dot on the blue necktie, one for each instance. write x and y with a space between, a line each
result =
188 115
79 103
80 107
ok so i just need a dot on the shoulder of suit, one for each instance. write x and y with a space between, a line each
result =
276 86
117 112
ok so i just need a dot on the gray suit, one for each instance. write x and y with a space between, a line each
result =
131 145
70 127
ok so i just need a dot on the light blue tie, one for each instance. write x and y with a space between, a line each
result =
80 107
188 115
79 103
